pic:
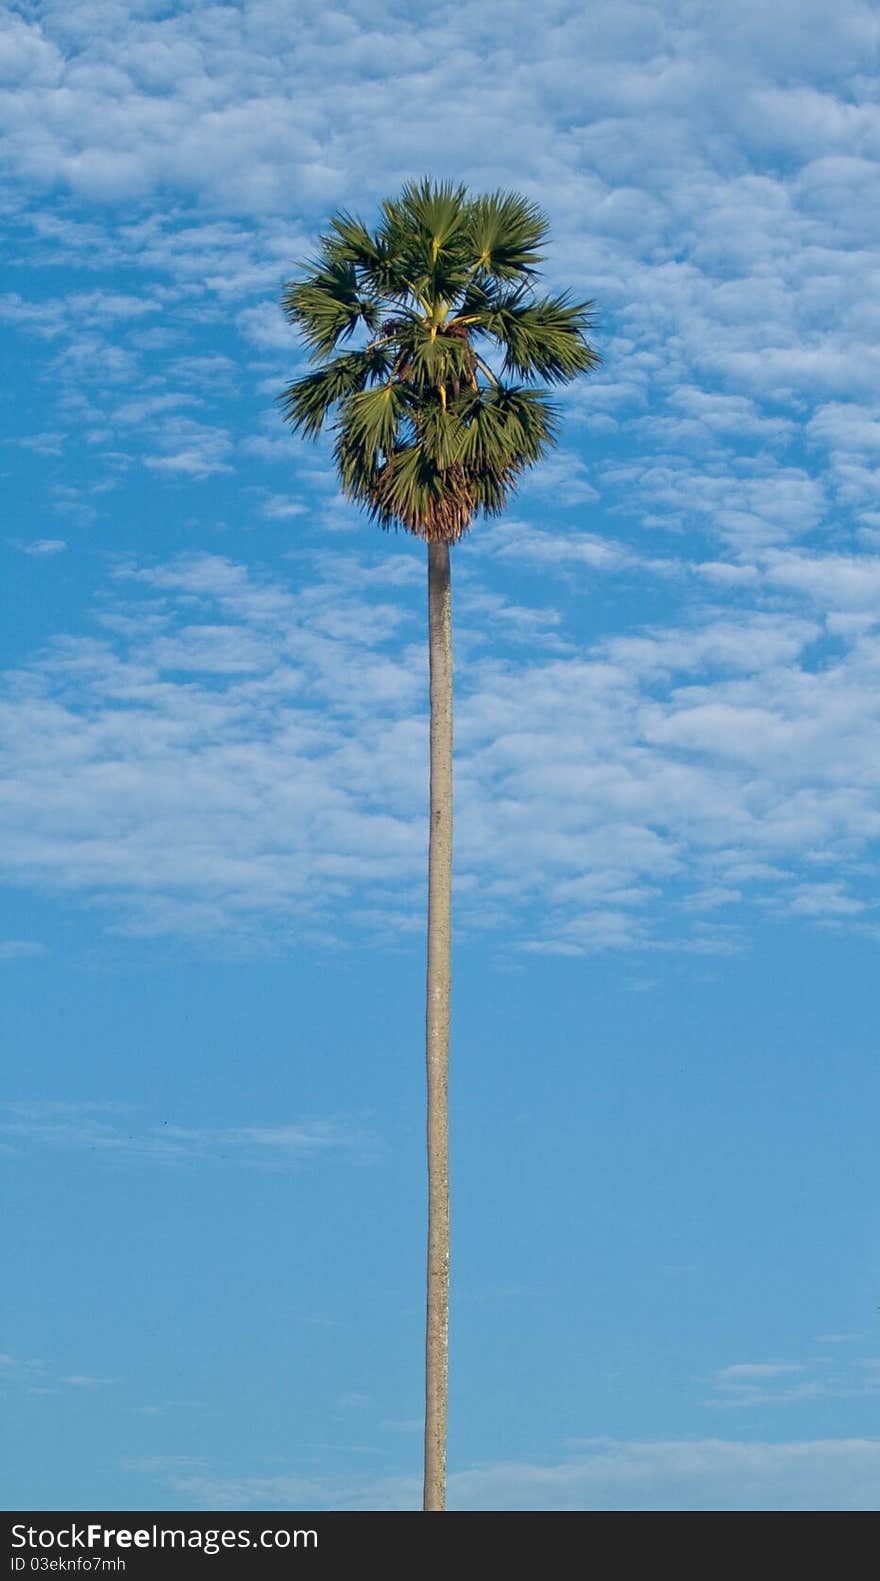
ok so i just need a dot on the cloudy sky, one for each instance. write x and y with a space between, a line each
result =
214 777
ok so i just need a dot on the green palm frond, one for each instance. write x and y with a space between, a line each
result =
506 424
438 210
426 433
545 339
371 420
439 360
307 402
327 305
506 233
351 242
441 434
413 492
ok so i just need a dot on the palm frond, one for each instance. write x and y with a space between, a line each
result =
506 232
306 403
435 210
441 434
437 361
543 338
328 305
507 425
351 241
411 491
370 421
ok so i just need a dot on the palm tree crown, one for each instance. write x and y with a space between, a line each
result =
427 434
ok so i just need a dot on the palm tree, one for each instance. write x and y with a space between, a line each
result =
427 436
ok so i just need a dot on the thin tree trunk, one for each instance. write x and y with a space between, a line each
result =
437 1023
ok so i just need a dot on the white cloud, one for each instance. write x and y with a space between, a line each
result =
190 448
280 507
605 1474
104 1130
47 444
83 309
784 1383
44 548
233 751
37 1377
20 949
13 1367
266 328
564 476
748 508
519 542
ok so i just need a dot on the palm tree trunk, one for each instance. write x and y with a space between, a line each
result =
437 1023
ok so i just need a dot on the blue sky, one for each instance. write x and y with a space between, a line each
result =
664 1086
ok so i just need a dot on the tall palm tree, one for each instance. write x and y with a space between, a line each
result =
428 434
